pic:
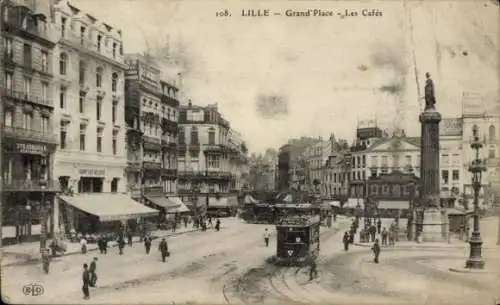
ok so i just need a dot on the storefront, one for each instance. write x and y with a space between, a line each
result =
87 178
27 189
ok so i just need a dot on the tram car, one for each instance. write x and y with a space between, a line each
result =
297 240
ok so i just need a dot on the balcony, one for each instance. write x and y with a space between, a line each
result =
152 190
213 148
194 147
152 165
182 147
169 172
25 97
40 34
30 186
30 135
86 45
133 166
168 144
169 125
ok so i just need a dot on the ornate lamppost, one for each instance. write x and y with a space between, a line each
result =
43 209
477 167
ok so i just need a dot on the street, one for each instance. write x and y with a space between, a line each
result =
229 267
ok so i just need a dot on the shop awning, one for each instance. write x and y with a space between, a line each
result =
455 211
109 207
352 203
163 202
250 200
394 205
218 203
181 207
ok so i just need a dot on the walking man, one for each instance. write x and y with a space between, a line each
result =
92 271
121 244
376 251
147 243
83 245
217 225
266 237
384 236
86 282
346 241
313 271
129 237
163 247
379 225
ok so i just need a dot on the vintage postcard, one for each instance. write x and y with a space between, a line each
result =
250 152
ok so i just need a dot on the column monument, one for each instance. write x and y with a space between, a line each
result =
434 223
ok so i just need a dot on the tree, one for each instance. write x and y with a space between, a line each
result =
244 148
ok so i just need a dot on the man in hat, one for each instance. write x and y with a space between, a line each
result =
86 282
92 271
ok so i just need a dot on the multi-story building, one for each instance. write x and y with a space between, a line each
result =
335 172
237 160
151 113
90 103
203 160
27 109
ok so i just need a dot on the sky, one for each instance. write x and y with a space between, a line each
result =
280 77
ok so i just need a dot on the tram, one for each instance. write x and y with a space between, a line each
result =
297 239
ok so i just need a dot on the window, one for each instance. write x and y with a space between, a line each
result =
213 161
8 115
211 136
82 137
194 136
63 26
385 161
456 175
181 137
121 49
81 72
98 77
45 61
27 85
81 102
45 91
113 114
27 55
114 82
114 49
62 135
98 108
27 120
45 124
9 76
491 133
455 160
99 140
62 98
114 145
8 48
491 152
63 64
445 160
445 176
82 34
99 41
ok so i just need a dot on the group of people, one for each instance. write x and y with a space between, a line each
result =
201 222
89 277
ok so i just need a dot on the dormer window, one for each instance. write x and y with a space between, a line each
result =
24 24
99 41
114 49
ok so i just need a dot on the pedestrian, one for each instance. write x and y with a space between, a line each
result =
346 241
129 237
351 236
313 270
266 237
185 222
121 244
105 240
392 237
147 243
376 251
174 225
373 232
86 282
83 244
92 271
379 225
217 225
45 260
163 247
384 236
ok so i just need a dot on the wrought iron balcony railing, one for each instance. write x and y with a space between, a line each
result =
29 134
31 185
151 164
22 96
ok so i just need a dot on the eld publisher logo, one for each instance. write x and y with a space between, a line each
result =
34 290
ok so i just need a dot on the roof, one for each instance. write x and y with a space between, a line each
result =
109 206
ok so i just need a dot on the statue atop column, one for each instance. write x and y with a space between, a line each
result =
430 98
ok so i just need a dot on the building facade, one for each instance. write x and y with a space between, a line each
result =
89 95
28 132
204 152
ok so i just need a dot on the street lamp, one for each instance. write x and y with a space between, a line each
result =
410 227
477 167
43 208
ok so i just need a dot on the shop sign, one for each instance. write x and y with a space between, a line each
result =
34 149
92 172
151 77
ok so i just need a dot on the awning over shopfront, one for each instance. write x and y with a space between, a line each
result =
394 205
163 202
455 211
181 207
109 207
218 203
250 200
352 203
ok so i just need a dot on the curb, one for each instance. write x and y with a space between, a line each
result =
472 271
36 260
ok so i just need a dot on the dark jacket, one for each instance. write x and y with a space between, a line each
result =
93 266
163 246
376 248
346 238
86 277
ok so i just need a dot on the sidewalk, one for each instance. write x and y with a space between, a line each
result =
21 254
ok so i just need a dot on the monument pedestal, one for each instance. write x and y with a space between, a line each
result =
434 226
